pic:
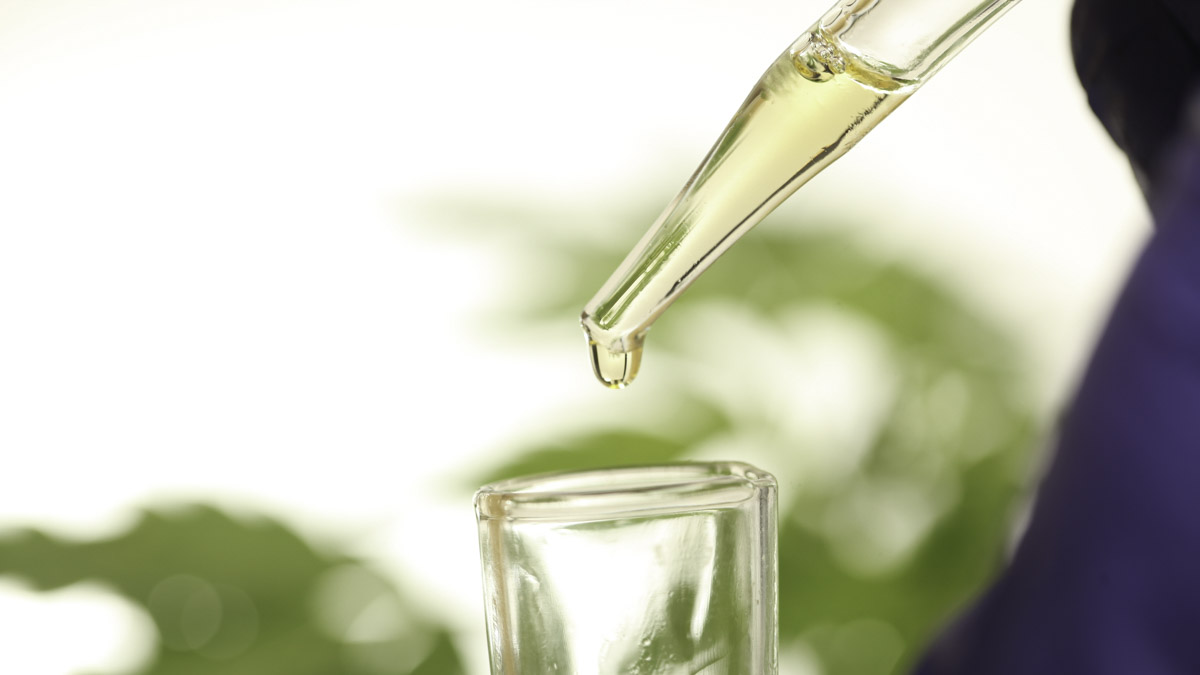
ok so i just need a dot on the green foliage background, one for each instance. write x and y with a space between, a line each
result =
234 594
853 621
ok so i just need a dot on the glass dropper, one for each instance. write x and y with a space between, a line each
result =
824 93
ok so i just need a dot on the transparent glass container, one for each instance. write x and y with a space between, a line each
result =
663 570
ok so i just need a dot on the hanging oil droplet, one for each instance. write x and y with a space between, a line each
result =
615 370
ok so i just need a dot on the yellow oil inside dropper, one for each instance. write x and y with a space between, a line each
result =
815 102
808 108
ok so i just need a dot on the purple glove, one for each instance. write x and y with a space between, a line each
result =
1139 61
1106 580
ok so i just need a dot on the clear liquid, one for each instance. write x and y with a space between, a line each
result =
615 370
812 105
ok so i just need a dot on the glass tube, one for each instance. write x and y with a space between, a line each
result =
659 570
820 97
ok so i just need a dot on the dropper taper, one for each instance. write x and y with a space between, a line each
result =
820 97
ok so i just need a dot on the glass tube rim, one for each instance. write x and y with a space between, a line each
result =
613 493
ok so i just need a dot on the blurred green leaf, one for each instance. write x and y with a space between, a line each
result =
960 553
442 659
228 595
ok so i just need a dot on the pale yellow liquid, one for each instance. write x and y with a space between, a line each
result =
615 370
811 106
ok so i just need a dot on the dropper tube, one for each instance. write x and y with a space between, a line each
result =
820 97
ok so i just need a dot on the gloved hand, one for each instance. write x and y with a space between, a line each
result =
1106 579
1139 61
